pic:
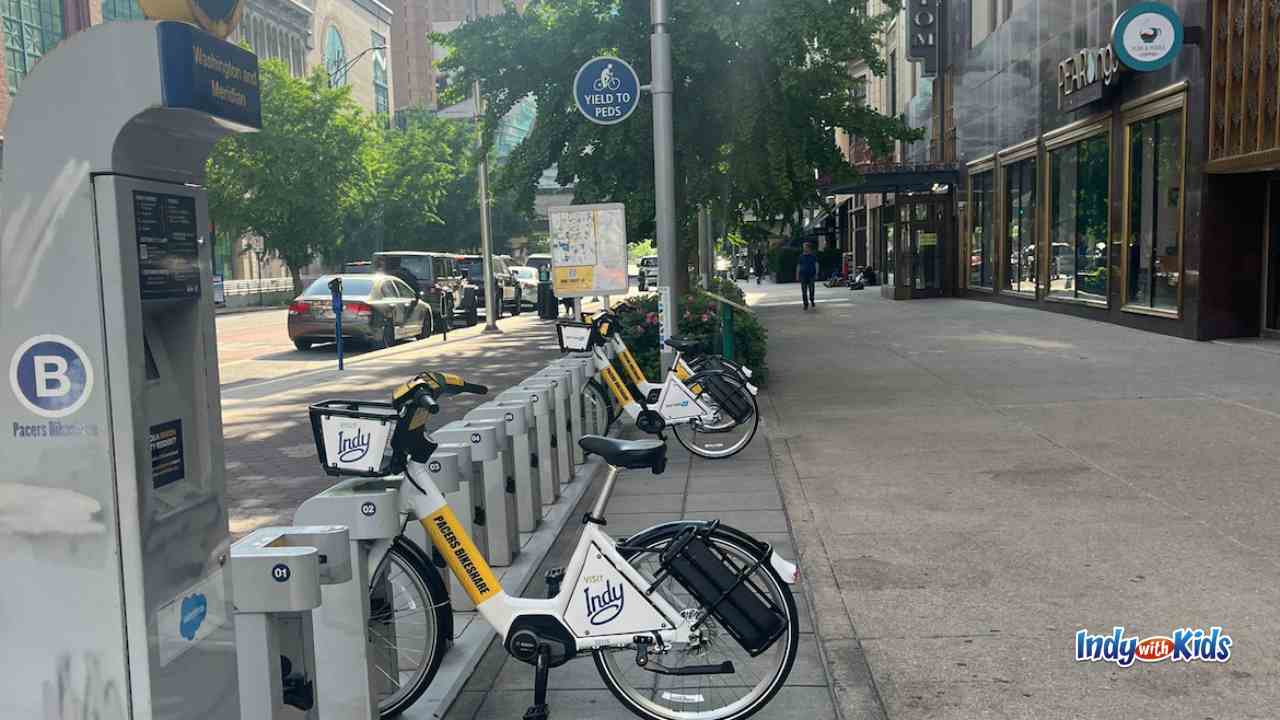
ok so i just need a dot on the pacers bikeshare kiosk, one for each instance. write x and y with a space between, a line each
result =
113 521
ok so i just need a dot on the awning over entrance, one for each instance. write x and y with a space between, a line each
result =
899 178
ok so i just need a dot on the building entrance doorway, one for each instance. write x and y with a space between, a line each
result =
1271 313
919 245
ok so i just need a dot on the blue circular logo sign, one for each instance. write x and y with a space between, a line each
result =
607 90
1147 36
51 376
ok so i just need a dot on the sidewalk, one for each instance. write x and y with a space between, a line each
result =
742 492
971 483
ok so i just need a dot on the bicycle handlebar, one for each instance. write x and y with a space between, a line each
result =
426 388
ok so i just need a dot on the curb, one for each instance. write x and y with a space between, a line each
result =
472 640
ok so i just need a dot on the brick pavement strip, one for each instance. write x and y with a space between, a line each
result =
271 460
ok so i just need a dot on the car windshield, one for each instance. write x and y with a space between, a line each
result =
351 287
525 273
475 271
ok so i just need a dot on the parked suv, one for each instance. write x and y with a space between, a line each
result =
506 287
436 276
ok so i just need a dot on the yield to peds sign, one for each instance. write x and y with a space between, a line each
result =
607 90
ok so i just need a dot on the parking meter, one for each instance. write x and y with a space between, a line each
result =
113 452
335 290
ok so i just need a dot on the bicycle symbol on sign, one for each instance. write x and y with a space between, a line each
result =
607 80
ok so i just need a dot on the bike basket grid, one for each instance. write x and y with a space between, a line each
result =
353 437
724 588
573 337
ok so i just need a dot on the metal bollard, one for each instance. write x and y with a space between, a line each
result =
276 574
349 685
564 395
499 516
518 416
557 395
543 460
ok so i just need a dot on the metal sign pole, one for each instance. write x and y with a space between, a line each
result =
664 171
486 242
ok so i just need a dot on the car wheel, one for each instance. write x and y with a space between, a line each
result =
428 324
473 310
387 338
303 345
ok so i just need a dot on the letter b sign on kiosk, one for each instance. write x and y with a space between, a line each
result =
113 521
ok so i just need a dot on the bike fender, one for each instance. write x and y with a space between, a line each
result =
786 569
753 389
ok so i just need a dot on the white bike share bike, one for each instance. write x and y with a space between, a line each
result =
687 620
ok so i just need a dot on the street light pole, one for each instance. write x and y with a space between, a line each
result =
664 173
333 76
482 179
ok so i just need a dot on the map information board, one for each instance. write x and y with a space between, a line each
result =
589 250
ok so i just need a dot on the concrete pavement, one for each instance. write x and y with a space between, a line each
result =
971 483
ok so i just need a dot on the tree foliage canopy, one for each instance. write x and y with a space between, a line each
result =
760 87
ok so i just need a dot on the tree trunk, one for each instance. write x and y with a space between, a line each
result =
296 274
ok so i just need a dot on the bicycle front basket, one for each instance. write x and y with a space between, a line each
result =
353 437
573 336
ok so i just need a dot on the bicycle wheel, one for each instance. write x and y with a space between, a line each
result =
755 680
410 626
732 419
598 396
700 363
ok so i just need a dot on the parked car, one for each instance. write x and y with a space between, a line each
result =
360 267
505 286
377 310
438 279
648 272
538 261
527 277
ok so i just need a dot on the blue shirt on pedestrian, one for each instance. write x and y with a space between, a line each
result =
808 265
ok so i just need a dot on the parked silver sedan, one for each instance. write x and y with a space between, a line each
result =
377 310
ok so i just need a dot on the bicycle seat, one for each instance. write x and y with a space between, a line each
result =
683 345
629 454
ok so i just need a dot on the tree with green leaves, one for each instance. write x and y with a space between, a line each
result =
760 88
316 161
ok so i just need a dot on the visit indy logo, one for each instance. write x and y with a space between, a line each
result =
1186 644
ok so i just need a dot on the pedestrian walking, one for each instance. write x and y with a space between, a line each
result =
807 274
759 267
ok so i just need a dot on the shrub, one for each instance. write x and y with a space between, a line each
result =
699 320
782 262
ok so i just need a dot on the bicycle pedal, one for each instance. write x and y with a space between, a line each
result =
537 712
555 578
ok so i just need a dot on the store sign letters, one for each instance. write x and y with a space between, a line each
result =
1085 77
924 33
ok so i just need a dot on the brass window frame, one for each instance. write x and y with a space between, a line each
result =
1161 102
1064 137
974 169
1012 155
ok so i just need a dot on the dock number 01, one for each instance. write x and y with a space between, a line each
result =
280 572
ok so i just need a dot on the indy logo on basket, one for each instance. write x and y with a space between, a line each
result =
352 448
1183 645
605 605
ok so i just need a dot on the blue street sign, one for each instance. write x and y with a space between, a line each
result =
607 90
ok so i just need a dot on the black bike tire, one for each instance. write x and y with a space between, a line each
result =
611 410
728 535
416 560
755 419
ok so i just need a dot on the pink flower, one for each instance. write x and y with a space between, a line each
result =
705 317
651 318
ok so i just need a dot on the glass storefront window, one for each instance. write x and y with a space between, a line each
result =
31 29
1154 252
1079 181
981 252
1020 226
890 259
